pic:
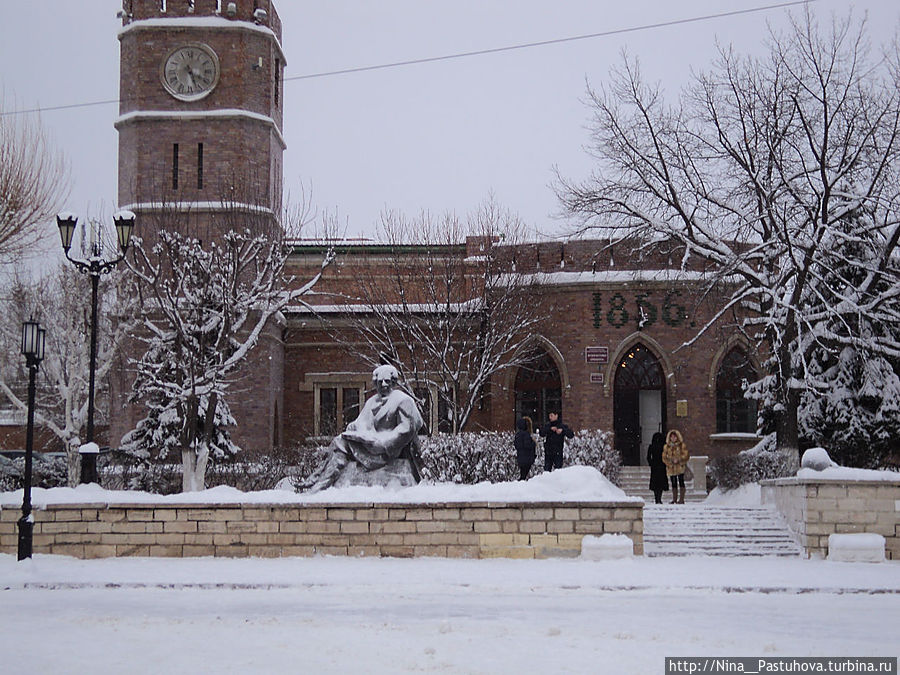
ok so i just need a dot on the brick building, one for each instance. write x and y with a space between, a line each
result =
200 149
610 355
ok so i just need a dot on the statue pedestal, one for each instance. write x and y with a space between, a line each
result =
396 474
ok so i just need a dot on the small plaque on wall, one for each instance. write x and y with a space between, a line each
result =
596 378
596 355
681 408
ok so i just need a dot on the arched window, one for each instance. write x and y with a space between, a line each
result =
538 387
734 413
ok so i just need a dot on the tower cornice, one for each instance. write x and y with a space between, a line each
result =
225 113
211 22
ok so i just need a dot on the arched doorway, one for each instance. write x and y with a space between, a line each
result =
639 403
538 387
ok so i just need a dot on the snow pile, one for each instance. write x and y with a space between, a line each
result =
748 494
856 547
816 463
816 459
572 484
606 547
849 474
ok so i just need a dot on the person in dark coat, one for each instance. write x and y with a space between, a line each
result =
554 433
525 447
658 481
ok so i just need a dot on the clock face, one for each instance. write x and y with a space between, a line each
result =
190 72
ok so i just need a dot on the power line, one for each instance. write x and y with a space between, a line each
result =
462 55
543 43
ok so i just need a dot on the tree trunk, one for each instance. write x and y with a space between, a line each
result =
202 460
188 460
73 465
787 434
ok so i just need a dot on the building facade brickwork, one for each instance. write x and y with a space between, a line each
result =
200 150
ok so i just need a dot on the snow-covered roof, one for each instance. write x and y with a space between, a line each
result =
415 308
608 276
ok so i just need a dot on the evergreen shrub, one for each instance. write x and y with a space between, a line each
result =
471 457
758 463
47 471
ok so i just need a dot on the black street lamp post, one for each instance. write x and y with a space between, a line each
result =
33 338
94 266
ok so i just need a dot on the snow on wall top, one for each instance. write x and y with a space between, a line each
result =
572 484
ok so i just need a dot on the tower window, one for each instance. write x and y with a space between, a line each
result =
199 166
175 166
277 77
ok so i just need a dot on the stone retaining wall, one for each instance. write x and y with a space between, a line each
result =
816 508
458 530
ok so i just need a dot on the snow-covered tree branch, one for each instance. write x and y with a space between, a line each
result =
449 318
782 173
34 181
204 309
60 302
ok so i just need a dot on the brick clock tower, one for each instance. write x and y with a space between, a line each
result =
200 152
200 115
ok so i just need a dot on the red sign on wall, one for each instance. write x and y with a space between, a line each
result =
596 354
596 378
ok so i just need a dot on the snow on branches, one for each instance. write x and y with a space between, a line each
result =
781 173
204 309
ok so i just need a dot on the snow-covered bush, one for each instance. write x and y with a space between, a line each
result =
751 466
489 456
47 471
593 447
249 471
470 457
263 471
463 458
123 471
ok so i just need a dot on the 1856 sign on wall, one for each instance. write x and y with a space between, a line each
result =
615 310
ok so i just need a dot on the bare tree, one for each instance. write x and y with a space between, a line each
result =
756 171
448 317
57 301
34 180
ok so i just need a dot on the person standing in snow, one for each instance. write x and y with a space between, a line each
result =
525 447
675 456
554 433
659 483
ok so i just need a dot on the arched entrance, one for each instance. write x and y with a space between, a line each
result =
639 403
538 387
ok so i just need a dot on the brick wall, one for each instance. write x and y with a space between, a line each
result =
456 530
815 509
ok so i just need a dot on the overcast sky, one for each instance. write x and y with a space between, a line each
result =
436 136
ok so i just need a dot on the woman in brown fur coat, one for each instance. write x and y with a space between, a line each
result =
675 456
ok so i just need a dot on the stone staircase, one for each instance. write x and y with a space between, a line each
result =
635 481
698 529
694 528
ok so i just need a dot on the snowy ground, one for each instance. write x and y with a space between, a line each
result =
61 615
360 615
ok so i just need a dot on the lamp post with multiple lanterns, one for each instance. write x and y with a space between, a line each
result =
33 338
94 266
